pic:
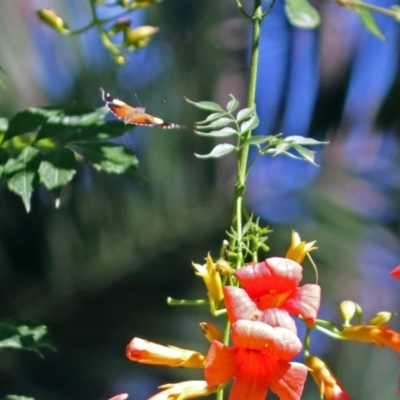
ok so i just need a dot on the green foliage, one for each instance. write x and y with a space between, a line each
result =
369 22
15 397
23 335
302 14
216 125
41 145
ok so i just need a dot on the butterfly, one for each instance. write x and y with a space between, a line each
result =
135 115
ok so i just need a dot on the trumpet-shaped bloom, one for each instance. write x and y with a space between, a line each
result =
259 359
240 306
184 390
212 279
146 352
327 383
273 283
377 334
298 249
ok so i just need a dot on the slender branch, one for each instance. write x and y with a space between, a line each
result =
358 4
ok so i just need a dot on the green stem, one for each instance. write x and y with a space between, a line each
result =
244 150
358 4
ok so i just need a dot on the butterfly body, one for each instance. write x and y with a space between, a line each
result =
135 115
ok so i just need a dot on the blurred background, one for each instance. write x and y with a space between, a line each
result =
97 271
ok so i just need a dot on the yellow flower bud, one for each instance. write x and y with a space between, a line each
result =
211 331
223 267
51 18
348 309
140 37
381 318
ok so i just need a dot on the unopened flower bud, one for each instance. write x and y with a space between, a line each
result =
51 18
347 309
224 268
120 59
140 37
381 318
211 331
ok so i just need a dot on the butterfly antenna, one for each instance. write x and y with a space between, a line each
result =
137 98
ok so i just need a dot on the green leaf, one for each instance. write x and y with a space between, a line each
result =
306 154
281 148
216 124
301 140
211 117
369 22
4 156
109 157
259 139
218 151
232 104
206 105
75 124
21 174
396 8
57 168
245 113
227 131
16 334
28 120
249 124
302 14
16 397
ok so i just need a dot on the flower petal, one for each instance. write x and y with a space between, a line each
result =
396 272
246 387
220 364
290 385
239 305
255 335
274 275
305 301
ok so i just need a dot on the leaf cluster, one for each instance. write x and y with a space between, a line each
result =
43 145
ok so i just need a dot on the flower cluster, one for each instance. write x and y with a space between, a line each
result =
260 303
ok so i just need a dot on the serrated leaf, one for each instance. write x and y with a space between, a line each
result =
24 335
224 132
250 124
281 148
211 117
109 157
21 174
302 14
57 168
306 154
301 140
76 124
218 151
219 123
245 113
28 120
369 22
259 139
233 104
206 105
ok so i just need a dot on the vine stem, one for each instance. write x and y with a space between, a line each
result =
244 150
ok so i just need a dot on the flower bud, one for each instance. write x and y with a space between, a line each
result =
51 18
298 249
146 352
140 37
211 331
224 268
348 309
381 318
120 59
327 383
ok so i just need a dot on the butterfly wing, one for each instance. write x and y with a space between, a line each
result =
135 116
